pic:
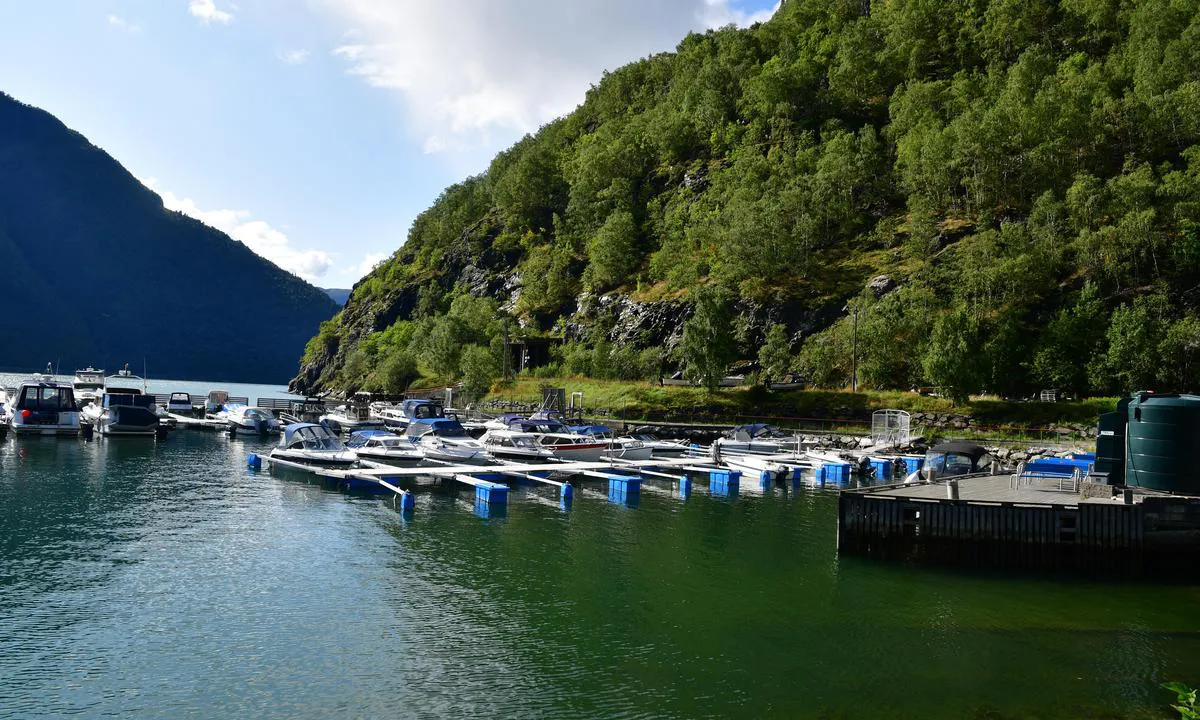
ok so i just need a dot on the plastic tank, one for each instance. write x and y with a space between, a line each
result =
1163 439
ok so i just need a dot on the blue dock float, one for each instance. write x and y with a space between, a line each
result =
624 488
834 474
912 463
884 469
724 483
254 461
685 487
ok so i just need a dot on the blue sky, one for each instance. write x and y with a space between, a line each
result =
314 131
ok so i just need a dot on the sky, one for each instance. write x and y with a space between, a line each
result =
315 131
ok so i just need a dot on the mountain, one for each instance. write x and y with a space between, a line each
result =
979 195
339 296
98 272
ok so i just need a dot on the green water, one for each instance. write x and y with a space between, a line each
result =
166 580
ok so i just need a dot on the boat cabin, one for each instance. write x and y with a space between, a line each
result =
309 436
957 458
441 427
40 403
422 409
520 441
216 400
128 398
90 379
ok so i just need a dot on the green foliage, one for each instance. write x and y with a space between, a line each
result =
1028 173
707 346
1187 700
775 356
479 367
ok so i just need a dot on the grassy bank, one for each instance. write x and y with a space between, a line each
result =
642 400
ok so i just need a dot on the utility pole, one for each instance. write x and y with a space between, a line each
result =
854 353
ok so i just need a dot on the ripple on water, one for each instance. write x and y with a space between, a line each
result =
148 580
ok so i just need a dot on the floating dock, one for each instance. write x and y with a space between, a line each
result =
996 520
491 483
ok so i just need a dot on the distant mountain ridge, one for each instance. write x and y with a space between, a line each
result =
338 295
99 272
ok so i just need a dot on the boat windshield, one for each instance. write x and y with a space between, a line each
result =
951 464
315 438
47 397
259 414
450 430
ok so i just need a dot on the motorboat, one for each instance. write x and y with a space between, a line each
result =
308 410
662 448
180 403
124 412
556 437
392 417
354 415
258 421
45 407
384 446
215 402
760 438
954 459
312 444
88 385
445 440
514 445
625 448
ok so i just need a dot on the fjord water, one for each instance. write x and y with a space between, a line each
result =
154 580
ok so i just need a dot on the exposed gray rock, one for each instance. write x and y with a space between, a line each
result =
881 285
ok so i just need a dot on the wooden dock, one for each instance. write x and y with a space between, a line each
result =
993 520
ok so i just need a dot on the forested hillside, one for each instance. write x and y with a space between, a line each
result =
1025 173
97 272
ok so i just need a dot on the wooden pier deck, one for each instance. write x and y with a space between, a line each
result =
994 520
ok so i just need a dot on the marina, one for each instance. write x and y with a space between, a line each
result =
177 575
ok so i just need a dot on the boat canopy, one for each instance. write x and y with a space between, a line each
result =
310 436
422 409
540 426
47 396
956 458
591 429
359 437
442 427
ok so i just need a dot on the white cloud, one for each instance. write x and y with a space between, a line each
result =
466 68
293 57
120 23
370 262
207 12
257 235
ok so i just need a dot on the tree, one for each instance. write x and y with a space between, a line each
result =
479 368
707 346
775 356
612 251
396 372
951 361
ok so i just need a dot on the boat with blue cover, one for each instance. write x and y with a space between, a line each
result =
385 446
313 444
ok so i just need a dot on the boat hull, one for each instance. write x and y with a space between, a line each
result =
405 460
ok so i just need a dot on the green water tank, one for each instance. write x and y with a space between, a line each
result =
1163 438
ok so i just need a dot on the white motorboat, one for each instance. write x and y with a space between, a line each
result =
392 417
556 437
386 447
622 447
45 407
514 445
662 448
761 438
180 403
258 421
125 409
312 444
445 440
215 403
88 385
354 415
